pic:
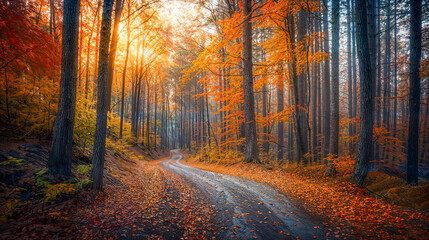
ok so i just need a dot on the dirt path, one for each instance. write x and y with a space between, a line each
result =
248 209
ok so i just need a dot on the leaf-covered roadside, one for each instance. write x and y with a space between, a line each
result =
150 204
337 200
141 200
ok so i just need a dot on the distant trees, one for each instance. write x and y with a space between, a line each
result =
60 156
276 77
292 60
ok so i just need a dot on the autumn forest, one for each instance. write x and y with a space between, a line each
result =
217 119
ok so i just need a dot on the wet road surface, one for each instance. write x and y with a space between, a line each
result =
247 209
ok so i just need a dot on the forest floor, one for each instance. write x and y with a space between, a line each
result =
167 197
141 200
356 212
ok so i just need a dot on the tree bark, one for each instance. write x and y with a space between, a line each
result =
60 156
121 125
101 122
386 101
395 93
349 75
326 84
113 48
360 170
148 115
335 106
251 152
415 55
280 108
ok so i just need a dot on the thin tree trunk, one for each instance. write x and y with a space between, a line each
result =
315 99
349 75
208 116
280 108
154 125
148 115
88 50
326 84
395 93
97 53
266 144
121 125
113 48
355 99
101 122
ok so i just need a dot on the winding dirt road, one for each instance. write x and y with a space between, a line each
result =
247 209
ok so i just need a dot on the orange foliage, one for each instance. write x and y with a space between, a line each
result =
29 61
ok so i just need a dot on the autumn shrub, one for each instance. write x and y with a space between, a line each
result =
113 125
389 145
49 190
11 161
410 196
377 181
84 125
84 129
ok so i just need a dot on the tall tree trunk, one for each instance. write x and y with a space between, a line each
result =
395 93
80 47
113 48
60 156
326 84
251 152
89 48
415 55
360 170
378 102
266 144
386 77
52 24
180 137
349 75
319 48
148 115
280 108
97 53
121 125
221 112
101 122
154 125
315 92
143 100
335 106
208 115
302 24
355 99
